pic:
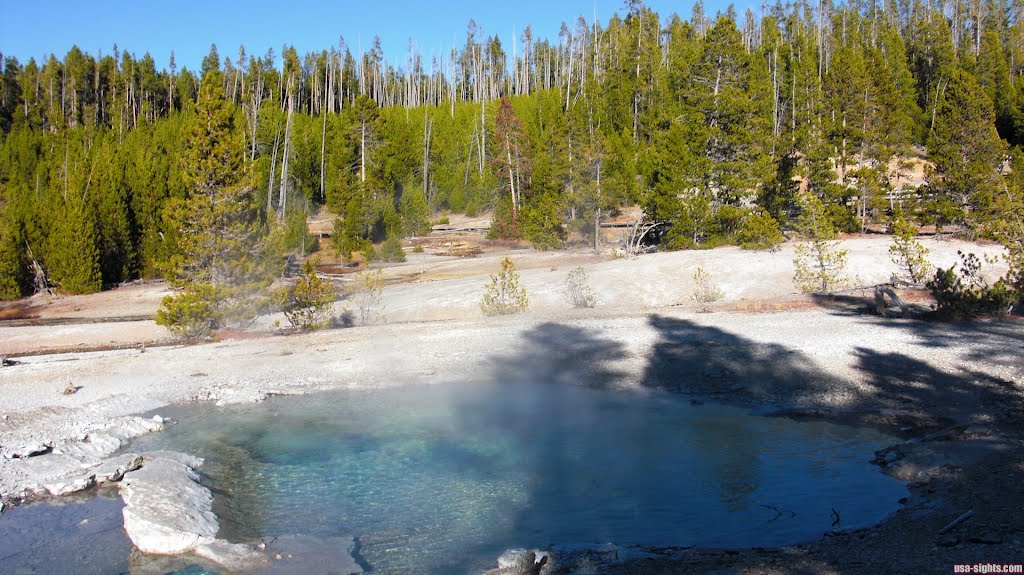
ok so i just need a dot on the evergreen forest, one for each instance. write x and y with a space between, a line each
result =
720 126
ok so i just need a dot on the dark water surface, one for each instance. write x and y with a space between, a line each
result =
441 479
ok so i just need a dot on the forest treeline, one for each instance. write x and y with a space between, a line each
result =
720 127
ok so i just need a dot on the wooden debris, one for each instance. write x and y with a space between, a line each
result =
883 290
957 521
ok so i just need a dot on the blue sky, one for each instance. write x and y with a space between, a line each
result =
30 29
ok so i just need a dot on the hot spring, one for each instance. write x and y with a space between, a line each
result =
440 479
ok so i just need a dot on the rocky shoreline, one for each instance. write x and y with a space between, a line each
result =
953 392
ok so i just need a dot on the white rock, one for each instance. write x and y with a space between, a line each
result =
113 469
50 467
66 485
27 450
95 446
166 511
238 396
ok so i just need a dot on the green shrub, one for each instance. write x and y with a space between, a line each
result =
759 231
297 238
190 314
966 295
346 241
542 223
391 250
307 304
819 263
503 295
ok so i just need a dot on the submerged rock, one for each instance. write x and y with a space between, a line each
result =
234 556
303 554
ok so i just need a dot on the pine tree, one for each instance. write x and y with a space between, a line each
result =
307 305
228 253
72 258
819 262
513 169
967 154
503 296
910 257
13 265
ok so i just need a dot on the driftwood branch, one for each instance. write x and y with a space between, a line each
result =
637 233
40 283
778 512
883 290
956 522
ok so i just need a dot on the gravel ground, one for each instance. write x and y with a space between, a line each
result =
953 392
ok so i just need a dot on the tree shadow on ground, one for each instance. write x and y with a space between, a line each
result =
894 390
851 305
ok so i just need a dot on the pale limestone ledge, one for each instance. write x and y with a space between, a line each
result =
167 511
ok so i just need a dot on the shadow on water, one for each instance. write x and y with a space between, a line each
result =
688 358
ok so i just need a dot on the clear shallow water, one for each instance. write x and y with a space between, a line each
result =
442 479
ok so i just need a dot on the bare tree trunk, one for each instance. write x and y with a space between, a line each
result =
597 217
483 137
257 102
362 153
323 137
426 158
287 152
568 77
270 184
775 101
511 177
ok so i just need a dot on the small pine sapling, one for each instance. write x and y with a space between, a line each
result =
819 263
577 290
910 257
367 293
705 291
503 295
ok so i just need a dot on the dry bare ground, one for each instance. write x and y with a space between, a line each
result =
952 392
